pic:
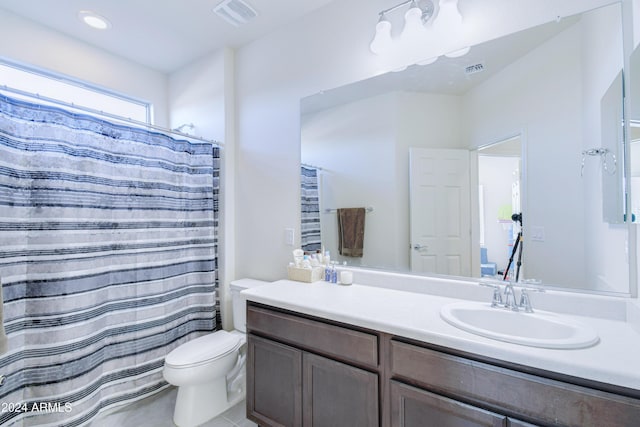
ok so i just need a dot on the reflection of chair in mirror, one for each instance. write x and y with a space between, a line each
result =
487 268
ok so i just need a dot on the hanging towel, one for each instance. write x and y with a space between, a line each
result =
351 231
3 335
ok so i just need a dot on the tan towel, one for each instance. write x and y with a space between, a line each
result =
351 231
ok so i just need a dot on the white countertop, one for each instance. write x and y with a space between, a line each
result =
614 360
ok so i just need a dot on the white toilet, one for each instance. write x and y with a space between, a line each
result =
210 370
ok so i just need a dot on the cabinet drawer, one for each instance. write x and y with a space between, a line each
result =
340 343
412 407
509 391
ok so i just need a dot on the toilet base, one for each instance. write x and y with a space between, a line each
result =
200 403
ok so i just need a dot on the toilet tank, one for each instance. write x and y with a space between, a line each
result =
239 304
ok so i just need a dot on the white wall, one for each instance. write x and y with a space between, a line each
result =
203 94
363 148
35 45
324 50
607 256
552 188
354 144
197 95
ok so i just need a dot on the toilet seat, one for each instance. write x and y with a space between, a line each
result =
203 350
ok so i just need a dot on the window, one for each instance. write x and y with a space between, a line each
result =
87 97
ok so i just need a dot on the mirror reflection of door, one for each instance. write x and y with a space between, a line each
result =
439 211
499 198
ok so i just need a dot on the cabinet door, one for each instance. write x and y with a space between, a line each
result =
338 395
413 407
274 383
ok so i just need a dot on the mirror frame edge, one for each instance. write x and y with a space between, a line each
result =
632 228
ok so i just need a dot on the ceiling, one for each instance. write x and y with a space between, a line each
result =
164 35
446 75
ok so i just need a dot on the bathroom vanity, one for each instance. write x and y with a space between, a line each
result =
381 357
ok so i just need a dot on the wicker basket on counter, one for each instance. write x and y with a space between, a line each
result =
308 275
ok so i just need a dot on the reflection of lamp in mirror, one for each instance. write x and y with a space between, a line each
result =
448 24
459 52
416 41
412 33
382 40
449 17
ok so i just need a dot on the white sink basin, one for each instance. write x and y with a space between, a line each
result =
539 329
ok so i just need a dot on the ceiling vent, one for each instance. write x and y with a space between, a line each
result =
475 68
235 12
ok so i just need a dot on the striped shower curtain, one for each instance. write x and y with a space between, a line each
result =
108 260
310 205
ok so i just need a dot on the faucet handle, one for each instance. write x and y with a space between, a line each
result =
497 297
510 297
525 302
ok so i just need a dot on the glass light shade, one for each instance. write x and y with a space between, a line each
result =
413 26
428 61
458 53
382 40
449 17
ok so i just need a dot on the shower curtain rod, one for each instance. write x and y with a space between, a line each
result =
105 114
311 166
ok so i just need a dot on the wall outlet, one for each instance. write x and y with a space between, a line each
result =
289 236
537 234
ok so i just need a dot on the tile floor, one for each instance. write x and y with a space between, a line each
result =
157 411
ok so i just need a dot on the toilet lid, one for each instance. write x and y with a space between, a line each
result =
203 349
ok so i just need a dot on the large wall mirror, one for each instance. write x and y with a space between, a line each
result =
634 123
455 159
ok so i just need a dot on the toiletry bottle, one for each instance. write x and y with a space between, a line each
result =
314 261
327 273
334 273
306 263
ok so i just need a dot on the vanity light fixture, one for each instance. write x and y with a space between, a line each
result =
458 53
414 19
422 28
94 20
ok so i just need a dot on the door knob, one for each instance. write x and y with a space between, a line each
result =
419 247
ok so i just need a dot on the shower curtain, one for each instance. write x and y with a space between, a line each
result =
108 260
310 204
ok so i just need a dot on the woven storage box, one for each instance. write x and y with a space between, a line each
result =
305 274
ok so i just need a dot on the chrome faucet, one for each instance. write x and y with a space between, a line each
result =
525 302
510 297
497 297
508 300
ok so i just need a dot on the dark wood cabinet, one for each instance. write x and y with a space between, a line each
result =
303 372
274 386
521 395
306 371
413 407
335 394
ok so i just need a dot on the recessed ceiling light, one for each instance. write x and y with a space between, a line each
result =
94 20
